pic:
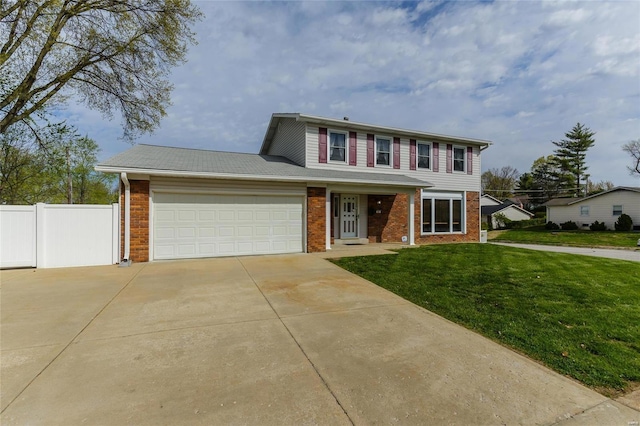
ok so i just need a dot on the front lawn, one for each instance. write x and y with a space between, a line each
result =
578 315
539 235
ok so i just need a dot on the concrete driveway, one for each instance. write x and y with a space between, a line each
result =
258 340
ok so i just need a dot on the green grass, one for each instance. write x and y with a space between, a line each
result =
539 235
578 315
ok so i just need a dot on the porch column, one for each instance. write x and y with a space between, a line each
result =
328 214
412 213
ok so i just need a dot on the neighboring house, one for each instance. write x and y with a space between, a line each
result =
315 182
491 207
604 207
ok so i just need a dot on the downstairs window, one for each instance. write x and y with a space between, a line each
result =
442 213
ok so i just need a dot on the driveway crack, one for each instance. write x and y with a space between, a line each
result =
324 382
73 338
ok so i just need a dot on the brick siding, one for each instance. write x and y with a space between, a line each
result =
391 223
316 220
139 211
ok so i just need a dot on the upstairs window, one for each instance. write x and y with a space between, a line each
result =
383 151
459 154
424 156
584 210
617 210
337 146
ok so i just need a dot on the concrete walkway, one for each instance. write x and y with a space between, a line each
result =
258 340
632 255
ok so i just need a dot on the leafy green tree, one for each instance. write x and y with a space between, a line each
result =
114 55
57 166
571 154
500 183
26 164
549 181
633 149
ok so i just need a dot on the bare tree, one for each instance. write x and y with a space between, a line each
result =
114 54
633 149
500 183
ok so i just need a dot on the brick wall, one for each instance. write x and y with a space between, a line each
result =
139 210
392 223
316 220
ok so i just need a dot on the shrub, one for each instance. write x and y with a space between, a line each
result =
569 226
502 221
551 226
520 224
598 226
624 223
484 226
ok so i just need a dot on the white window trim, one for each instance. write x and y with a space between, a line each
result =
613 210
346 146
464 159
375 159
584 214
430 145
450 196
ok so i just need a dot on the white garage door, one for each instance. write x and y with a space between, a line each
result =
201 225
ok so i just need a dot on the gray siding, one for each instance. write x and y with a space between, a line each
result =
289 141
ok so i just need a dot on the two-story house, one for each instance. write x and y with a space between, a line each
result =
316 182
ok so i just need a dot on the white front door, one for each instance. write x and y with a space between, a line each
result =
349 216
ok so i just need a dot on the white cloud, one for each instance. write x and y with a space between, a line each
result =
518 73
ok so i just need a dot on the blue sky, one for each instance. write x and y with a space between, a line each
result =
518 73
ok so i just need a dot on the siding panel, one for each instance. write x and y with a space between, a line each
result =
289 141
441 181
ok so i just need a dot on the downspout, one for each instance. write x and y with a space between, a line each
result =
127 220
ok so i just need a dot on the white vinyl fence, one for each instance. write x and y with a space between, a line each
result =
58 235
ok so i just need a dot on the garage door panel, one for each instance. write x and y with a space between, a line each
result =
226 216
208 232
245 215
201 225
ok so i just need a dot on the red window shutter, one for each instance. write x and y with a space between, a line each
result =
469 160
353 148
322 145
412 154
436 157
396 153
449 158
370 150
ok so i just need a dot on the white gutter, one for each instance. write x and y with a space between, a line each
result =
270 178
127 219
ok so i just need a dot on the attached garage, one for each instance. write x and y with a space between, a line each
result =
187 225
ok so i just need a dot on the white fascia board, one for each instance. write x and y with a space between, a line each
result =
233 176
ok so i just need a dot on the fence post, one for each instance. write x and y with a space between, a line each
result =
40 243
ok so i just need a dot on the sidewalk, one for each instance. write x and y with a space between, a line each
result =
632 255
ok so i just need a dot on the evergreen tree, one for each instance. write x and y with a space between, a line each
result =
571 155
